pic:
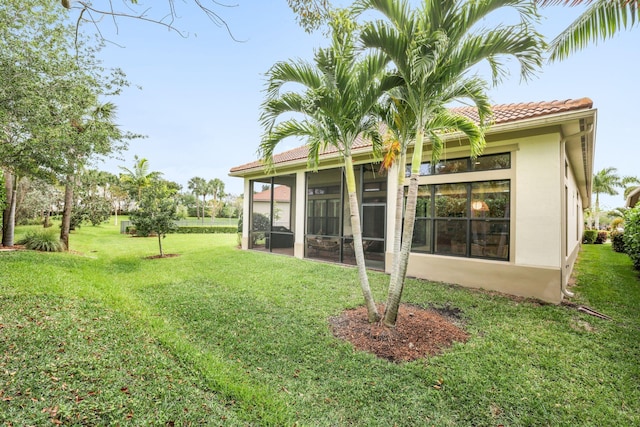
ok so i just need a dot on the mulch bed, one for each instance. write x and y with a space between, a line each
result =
12 248
162 256
418 333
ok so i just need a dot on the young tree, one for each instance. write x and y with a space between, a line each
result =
156 213
340 91
434 50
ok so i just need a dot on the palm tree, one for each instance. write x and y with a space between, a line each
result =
139 177
607 181
600 21
216 186
434 50
340 91
196 185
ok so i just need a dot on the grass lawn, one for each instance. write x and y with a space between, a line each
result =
218 336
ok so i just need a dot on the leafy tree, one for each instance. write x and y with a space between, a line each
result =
37 200
600 21
156 213
88 133
607 181
434 50
340 91
49 91
310 14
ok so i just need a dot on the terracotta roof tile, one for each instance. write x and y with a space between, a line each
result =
504 113
281 193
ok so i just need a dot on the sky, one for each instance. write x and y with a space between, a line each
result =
197 98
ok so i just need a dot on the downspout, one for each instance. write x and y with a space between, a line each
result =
563 286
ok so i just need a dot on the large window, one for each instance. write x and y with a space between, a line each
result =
482 163
463 219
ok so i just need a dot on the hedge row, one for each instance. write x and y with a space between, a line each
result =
212 229
595 237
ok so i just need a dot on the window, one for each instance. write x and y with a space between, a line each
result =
465 219
482 163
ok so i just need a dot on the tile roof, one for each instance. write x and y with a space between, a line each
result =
504 113
281 193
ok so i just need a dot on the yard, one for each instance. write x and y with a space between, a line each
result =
218 336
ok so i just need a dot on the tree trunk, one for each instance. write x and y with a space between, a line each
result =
354 212
397 235
9 214
46 223
204 204
396 285
160 244
66 212
596 214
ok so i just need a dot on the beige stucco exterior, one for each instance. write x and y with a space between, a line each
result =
550 178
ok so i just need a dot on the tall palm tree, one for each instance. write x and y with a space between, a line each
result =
600 21
335 108
607 181
435 49
196 185
139 177
216 186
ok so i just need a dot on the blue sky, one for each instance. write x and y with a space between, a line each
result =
200 96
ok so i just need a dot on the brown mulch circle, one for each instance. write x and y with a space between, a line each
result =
162 256
418 333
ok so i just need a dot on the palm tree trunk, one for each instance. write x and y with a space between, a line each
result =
597 212
399 273
354 212
397 235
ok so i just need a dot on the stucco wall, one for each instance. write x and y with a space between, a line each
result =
536 218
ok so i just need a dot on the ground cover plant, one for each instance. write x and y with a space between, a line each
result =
219 336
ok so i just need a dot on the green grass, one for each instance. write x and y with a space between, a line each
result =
227 337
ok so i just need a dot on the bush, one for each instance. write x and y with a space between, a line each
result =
602 237
43 240
217 229
617 241
589 237
632 235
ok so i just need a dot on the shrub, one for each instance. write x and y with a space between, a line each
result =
589 237
617 240
602 237
217 229
632 235
43 240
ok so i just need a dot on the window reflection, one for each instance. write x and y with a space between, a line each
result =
469 219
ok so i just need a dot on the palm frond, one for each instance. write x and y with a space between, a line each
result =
601 20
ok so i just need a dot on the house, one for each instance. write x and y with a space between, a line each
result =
510 220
